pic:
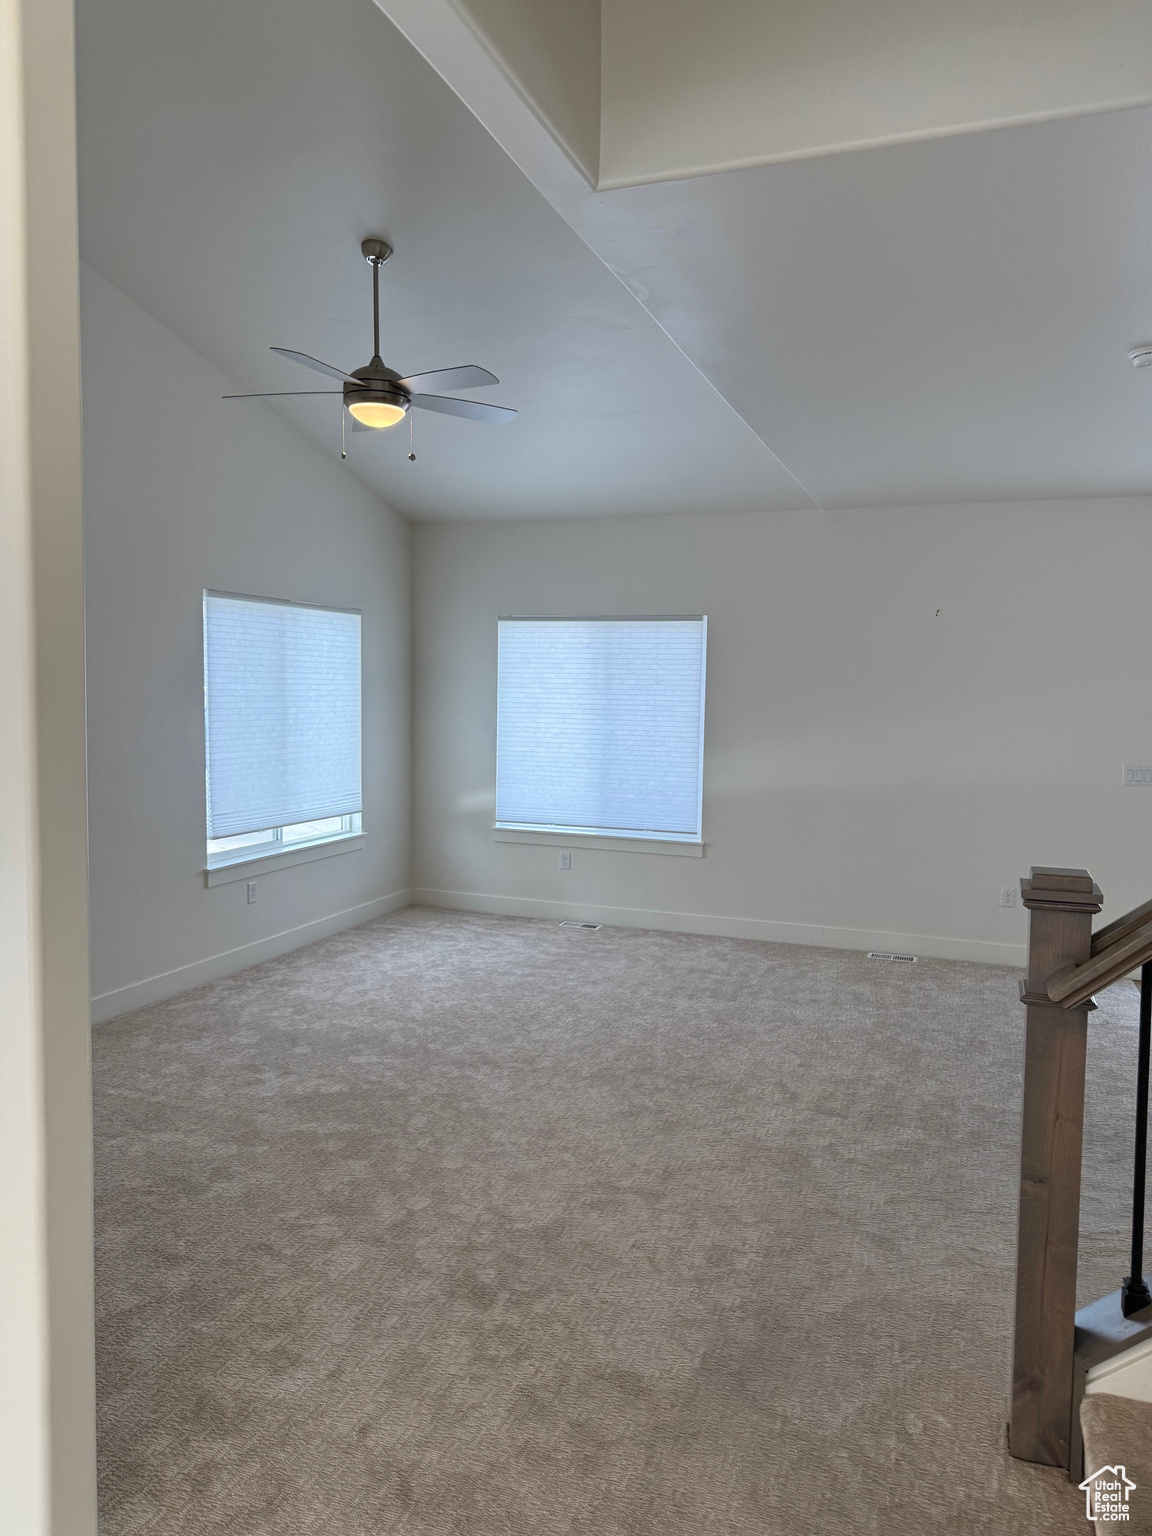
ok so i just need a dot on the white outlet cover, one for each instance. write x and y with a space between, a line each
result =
1008 896
566 860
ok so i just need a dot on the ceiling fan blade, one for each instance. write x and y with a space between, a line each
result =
475 410
468 377
316 365
275 394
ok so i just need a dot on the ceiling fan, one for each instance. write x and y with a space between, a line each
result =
375 395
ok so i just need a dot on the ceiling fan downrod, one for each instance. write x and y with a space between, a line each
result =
376 253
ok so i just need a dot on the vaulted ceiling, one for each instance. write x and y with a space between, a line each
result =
944 318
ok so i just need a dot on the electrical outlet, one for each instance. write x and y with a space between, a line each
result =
1008 896
251 893
565 860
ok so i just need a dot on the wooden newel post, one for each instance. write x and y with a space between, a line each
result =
1061 904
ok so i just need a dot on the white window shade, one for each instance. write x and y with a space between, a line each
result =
600 726
282 713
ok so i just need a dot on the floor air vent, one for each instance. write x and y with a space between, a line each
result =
880 954
567 923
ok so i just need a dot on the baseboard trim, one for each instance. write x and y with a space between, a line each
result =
935 946
154 989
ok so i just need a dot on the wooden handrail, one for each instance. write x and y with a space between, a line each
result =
1073 985
1105 937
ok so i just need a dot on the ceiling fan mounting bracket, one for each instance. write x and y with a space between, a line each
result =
375 251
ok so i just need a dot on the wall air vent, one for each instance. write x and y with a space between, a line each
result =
879 954
567 923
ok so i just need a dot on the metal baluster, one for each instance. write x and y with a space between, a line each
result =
1134 1294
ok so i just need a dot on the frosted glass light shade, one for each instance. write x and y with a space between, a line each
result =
376 413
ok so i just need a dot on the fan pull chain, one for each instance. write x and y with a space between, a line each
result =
343 413
411 439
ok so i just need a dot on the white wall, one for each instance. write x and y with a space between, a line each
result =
184 491
906 709
47 1389
689 88
550 49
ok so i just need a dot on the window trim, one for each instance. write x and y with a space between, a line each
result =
351 825
598 842
247 863
685 842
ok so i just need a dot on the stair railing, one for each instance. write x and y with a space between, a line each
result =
1054 1347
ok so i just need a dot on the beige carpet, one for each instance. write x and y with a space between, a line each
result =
457 1224
1118 1432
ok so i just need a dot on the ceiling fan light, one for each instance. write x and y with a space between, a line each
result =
376 413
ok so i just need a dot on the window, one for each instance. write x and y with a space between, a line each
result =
250 845
281 726
600 726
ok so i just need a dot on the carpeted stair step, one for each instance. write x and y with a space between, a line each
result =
1118 1433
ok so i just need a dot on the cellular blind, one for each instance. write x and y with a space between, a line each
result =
600 725
282 713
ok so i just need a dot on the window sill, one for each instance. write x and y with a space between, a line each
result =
246 866
684 850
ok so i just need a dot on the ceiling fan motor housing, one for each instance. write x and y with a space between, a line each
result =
380 386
